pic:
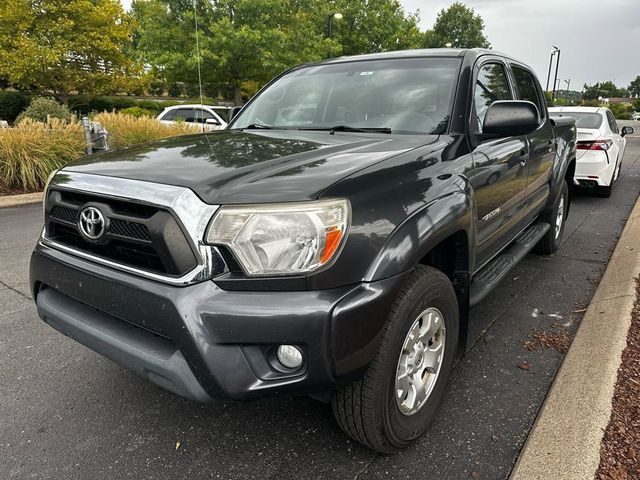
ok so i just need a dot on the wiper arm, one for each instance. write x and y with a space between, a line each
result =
258 126
347 128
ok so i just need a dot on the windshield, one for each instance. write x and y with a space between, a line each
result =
403 95
583 119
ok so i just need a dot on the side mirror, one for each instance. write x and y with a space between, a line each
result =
212 121
627 131
233 112
509 118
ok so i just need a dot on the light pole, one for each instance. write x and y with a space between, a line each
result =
553 96
555 50
568 82
330 17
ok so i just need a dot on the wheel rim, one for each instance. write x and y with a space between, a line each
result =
420 361
560 216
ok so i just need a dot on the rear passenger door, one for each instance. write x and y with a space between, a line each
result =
618 140
499 172
541 142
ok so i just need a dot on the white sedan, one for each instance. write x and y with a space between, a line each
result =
600 146
211 117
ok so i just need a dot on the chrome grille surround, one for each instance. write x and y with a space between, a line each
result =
191 213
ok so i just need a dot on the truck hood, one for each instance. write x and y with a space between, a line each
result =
251 166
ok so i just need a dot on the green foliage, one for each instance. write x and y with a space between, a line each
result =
621 111
41 109
590 103
634 87
176 89
603 90
11 104
244 43
458 25
636 105
139 112
67 45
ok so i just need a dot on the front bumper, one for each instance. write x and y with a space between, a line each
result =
201 341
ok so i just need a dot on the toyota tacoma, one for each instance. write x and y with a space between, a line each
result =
331 241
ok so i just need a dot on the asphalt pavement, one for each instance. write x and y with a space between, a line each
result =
66 412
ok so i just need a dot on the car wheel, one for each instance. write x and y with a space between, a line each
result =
398 397
604 192
493 178
555 216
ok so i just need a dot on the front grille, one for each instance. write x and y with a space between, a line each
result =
137 235
64 214
127 229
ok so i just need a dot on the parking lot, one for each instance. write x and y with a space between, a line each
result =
66 412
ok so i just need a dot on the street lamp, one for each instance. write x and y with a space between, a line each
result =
553 95
330 17
555 50
568 82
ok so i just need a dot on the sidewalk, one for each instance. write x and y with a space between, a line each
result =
565 439
23 199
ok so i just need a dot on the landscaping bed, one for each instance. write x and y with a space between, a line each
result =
620 449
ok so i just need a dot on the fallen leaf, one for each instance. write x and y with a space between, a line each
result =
524 366
178 444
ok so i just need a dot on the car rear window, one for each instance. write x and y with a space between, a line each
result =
583 119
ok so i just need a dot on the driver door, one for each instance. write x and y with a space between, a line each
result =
499 172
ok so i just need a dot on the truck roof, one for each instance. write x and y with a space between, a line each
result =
422 52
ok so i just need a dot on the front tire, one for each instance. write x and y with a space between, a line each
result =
399 395
556 217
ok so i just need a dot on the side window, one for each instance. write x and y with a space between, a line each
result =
491 85
170 115
526 87
612 122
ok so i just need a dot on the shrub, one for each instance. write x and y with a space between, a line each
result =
125 130
31 150
139 112
150 105
176 89
621 111
41 109
11 104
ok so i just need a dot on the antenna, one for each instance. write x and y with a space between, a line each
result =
195 20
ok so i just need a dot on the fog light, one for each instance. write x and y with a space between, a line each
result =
289 356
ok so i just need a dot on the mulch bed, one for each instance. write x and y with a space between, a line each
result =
620 449
4 191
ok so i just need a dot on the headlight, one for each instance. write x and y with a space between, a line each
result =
284 238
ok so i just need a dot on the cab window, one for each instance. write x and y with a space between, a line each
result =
526 87
491 85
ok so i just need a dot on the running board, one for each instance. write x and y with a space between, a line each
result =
491 275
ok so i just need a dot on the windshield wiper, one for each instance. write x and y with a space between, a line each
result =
347 128
256 126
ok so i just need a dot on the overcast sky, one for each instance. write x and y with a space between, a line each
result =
600 39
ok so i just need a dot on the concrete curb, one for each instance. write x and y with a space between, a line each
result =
565 439
15 200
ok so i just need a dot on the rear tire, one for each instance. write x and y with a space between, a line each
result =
553 216
604 192
374 410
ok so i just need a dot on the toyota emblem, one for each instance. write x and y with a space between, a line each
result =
91 223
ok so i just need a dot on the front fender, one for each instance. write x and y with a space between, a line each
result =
417 235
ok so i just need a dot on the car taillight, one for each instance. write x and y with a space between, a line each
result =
601 144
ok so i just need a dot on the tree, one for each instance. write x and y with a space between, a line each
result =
603 90
244 43
634 87
458 25
371 26
65 46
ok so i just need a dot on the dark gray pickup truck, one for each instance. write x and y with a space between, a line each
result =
330 242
